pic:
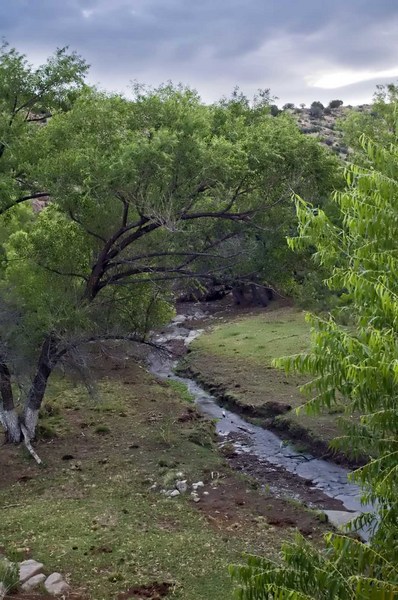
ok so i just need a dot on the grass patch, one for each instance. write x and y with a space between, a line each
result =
235 359
182 390
259 338
95 517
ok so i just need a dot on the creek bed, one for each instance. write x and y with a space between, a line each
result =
262 453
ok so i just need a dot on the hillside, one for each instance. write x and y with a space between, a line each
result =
323 124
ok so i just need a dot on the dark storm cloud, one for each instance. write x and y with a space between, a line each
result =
214 44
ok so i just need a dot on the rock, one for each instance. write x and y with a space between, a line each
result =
198 484
179 319
196 499
182 486
33 582
29 568
174 493
56 585
340 518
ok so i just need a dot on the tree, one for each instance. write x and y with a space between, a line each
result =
359 364
143 193
335 103
28 97
316 109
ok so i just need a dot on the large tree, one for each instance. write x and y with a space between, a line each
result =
356 360
142 192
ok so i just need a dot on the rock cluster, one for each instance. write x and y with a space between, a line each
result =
31 577
181 486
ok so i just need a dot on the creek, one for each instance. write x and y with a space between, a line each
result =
264 446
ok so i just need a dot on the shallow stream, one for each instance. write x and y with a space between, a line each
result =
322 475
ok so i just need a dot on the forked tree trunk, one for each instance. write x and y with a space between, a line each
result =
23 428
46 363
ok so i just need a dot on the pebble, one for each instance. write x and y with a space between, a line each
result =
174 493
182 486
198 484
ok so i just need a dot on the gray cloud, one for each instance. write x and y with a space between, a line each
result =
216 44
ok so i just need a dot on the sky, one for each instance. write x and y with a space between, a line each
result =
303 50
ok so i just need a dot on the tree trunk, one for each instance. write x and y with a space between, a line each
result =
8 415
45 365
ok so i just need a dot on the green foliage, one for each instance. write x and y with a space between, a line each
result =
377 123
357 362
9 575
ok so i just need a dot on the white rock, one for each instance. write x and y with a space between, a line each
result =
198 484
205 493
56 585
179 319
29 568
33 582
182 486
174 493
196 499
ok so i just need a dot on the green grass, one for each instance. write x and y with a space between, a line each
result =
236 357
259 338
94 517
181 390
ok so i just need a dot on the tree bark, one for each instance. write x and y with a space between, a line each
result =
46 363
8 415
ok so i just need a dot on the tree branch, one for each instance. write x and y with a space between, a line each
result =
86 229
33 196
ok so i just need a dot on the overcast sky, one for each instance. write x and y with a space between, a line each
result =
303 50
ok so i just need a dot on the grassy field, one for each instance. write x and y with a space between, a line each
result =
235 358
91 512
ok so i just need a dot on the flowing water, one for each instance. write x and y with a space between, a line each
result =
322 475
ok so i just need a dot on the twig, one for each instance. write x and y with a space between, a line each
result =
29 445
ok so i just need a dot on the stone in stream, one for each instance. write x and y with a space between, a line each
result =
56 585
29 568
33 582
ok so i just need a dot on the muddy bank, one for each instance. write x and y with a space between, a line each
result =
269 415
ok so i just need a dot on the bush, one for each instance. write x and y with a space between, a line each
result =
335 103
316 109
9 575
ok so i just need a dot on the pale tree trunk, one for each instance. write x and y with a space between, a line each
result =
8 415
23 428
46 363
